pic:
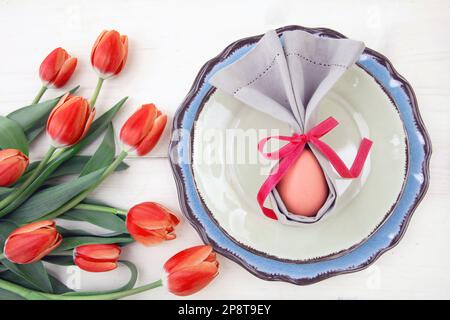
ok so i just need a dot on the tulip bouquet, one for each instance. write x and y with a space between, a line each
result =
32 201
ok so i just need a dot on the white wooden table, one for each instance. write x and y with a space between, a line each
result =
169 42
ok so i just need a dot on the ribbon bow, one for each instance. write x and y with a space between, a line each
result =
295 146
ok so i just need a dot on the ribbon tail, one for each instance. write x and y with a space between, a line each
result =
271 182
323 128
338 164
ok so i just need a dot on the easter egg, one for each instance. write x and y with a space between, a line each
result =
304 188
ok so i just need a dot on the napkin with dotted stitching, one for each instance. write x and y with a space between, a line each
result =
287 77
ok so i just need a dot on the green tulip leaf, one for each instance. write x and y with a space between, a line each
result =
6 227
7 295
73 232
33 134
76 164
104 155
59 260
83 233
34 274
105 220
12 136
7 275
33 118
71 167
45 201
58 286
5 191
97 128
69 243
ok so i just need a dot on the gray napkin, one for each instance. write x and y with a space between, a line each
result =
286 78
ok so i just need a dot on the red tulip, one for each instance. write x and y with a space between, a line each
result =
97 257
13 164
109 53
150 223
190 270
57 68
70 120
31 242
143 129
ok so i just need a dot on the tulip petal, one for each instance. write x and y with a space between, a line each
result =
212 257
171 236
61 101
124 40
13 164
145 237
150 223
56 242
65 73
138 125
94 266
10 172
32 246
151 216
173 218
191 280
188 258
150 141
109 54
67 123
52 64
11 153
94 47
88 124
34 226
99 252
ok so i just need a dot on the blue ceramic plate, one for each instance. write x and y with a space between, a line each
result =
227 223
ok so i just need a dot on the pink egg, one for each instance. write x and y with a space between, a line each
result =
304 188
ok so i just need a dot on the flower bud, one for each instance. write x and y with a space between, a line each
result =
150 223
32 242
13 164
109 53
69 120
97 257
190 270
57 68
143 129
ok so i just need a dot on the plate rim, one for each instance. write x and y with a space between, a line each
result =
190 215
325 257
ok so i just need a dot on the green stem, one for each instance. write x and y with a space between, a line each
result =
60 253
39 95
48 170
96 92
35 295
80 197
29 180
100 208
58 153
55 155
21 291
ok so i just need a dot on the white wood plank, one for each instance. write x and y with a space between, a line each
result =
169 41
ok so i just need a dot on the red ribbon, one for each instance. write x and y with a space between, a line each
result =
295 146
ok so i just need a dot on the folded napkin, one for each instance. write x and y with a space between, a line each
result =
287 77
